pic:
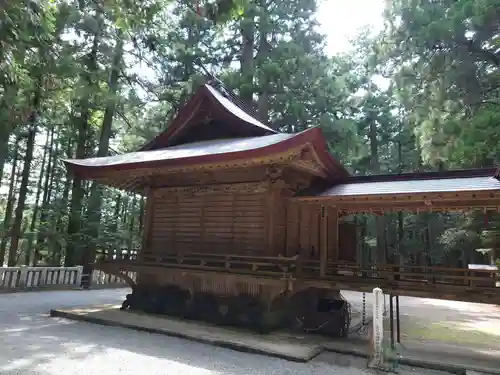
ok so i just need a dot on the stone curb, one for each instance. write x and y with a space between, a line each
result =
215 342
407 361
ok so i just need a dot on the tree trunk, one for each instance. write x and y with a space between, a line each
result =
94 206
401 230
6 119
142 208
23 190
114 227
4 142
130 242
44 212
380 222
262 55
247 27
10 205
77 191
39 189
58 246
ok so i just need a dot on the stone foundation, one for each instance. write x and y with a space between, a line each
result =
310 310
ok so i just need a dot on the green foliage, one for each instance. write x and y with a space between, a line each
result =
420 95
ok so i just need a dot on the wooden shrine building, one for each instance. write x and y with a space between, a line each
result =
241 219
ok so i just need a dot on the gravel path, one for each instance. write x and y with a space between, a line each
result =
32 343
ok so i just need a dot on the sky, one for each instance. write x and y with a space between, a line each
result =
340 20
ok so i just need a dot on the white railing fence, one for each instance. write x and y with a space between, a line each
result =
100 278
37 277
32 278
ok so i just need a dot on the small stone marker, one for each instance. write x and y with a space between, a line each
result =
377 359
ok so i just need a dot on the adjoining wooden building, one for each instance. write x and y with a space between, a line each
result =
237 211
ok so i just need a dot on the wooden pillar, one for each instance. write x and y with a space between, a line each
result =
323 258
333 227
148 219
271 202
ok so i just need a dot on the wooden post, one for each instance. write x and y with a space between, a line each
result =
148 218
271 200
323 259
333 228
23 277
78 277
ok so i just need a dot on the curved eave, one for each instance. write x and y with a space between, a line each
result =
231 109
207 100
84 168
335 170
185 114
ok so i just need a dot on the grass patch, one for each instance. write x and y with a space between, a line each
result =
448 333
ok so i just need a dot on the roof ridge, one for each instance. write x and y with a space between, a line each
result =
248 108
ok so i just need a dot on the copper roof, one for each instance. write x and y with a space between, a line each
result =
207 102
237 111
406 183
189 150
441 185
213 151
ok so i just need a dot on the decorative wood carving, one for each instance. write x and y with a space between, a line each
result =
244 188
309 161
281 158
311 167
273 173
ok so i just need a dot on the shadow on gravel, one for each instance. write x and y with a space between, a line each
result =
48 346
31 343
42 345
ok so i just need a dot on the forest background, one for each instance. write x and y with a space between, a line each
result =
101 77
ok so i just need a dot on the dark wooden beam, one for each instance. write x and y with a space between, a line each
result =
324 241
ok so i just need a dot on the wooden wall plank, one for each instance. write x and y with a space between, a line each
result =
217 223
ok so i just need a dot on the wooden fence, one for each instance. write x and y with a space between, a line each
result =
36 278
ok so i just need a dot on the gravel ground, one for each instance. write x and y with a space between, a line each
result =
31 343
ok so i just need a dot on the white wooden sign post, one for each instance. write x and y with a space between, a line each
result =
377 360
